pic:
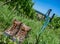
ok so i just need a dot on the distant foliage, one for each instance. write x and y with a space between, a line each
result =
22 7
55 23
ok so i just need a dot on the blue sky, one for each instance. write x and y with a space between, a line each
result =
44 5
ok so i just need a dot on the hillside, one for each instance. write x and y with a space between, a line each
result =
49 36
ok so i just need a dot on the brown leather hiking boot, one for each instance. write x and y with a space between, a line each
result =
20 36
14 28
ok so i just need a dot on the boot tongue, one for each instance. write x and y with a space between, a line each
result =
25 27
17 22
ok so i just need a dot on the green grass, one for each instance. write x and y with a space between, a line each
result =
49 36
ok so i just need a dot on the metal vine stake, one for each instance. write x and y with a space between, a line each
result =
47 21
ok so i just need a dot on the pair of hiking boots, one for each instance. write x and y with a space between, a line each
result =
17 31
